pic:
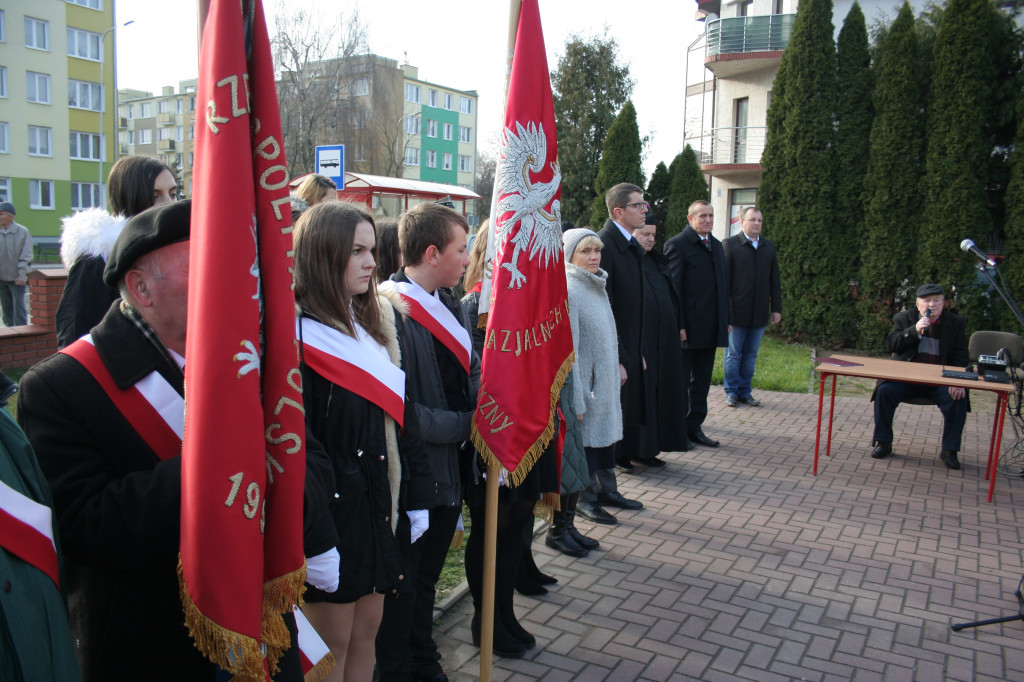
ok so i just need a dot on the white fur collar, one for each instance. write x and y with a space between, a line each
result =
91 232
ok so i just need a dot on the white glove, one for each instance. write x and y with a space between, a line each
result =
419 522
324 570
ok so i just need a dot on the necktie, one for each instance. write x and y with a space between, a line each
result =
707 244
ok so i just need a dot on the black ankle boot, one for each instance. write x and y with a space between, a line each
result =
581 539
505 645
528 566
558 537
528 587
514 628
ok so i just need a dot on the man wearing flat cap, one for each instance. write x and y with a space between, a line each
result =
932 335
105 416
15 258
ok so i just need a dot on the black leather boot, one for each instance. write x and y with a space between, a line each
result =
527 564
558 536
505 645
582 540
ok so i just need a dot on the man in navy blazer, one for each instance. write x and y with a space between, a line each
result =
696 264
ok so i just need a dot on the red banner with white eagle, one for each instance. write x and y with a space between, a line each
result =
528 345
243 461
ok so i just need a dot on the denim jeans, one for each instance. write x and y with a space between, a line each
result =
740 359
12 300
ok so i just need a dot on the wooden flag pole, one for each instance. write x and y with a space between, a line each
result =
494 469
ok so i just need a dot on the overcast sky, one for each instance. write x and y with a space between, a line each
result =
458 43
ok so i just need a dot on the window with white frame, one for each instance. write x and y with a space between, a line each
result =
91 4
465 163
3 81
37 33
432 97
431 128
40 194
412 93
84 44
3 27
412 156
163 107
412 125
145 110
449 101
447 131
144 136
85 95
361 87
179 106
191 132
179 133
360 152
163 134
37 87
446 161
465 105
465 134
40 141
177 160
129 137
431 158
86 195
86 146
5 189
5 138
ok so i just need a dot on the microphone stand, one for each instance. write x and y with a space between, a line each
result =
987 271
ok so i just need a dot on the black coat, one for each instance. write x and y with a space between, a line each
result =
624 266
700 281
85 300
118 507
351 431
755 288
666 390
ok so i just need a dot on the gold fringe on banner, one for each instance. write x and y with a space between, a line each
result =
458 538
534 452
279 596
236 653
322 669
547 505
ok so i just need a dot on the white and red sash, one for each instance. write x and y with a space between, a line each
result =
315 656
355 365
436 318
152 406
26 530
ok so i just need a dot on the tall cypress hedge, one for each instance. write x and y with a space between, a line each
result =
688 185
620 161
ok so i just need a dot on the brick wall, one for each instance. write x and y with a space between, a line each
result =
28 344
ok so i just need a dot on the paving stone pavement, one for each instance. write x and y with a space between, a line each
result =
744 566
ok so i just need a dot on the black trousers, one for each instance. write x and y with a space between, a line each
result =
698 363
405 647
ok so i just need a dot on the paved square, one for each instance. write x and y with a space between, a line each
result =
744 566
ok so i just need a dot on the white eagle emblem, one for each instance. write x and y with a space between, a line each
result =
540 231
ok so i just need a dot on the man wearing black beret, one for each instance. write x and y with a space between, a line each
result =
932 335
105 416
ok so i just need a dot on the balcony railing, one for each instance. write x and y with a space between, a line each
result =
165 145
165 119
733 145
765 33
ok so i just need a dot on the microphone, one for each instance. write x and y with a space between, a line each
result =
967 246
927 318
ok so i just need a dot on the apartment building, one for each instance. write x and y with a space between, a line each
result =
56 97
161 126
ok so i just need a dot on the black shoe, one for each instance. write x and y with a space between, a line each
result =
624 465
582 540
652 462
594 512
514 628
558 538
617 500
882 450
534 574
698 436
528 588
505 645
949 458
750 400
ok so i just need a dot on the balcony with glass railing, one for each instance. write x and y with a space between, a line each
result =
735 40
726 147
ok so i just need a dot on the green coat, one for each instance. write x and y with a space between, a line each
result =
35 640
575 474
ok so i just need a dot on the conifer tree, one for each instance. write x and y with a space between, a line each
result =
957 156
854 113
800 192
620 161
891 195
1012 267
688 185
656 194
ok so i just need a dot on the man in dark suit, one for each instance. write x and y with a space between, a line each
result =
932 335
622 259
696 263
755 296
